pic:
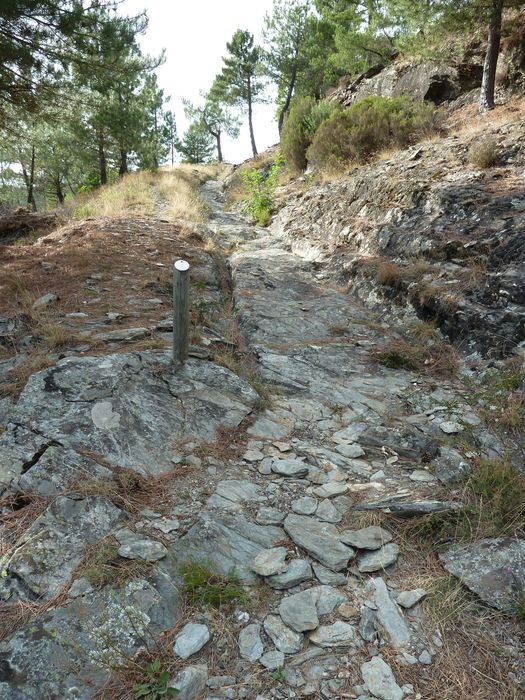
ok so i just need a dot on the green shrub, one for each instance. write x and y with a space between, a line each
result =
260 187
299 128
369 125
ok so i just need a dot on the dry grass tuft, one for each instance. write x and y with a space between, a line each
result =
18 377
22 511
484 153
102 566
435 357
128 489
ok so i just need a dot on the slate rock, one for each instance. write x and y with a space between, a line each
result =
122 335
320 540
294 468
298 571
270 562
407 599
130 408
143 548
378 559
380 680
190 640
48 552
285 639
332 488
327 512
232 492
390 621
250 643
299 612
326 576
227 541
339 634
33 665
45 300
269 516
494 569
272 660
190 682
304 506
57 468
372 537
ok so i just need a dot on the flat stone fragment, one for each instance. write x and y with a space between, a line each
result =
285 639
304 506
411 509
333 488
380 681
44 300
290 467
272 660
451 427
339 634
328 513
372 537
238 490
407 599
494 569
299 612
378 559
147 550
190 682
253 456
124 334
326 576
320 540
422 476
270 562
389 617
269 516
298 571
190 640
351 450
250 643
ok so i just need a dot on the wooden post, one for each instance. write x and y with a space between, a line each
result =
181 320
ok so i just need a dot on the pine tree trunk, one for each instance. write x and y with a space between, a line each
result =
486 100
289 95
58 191
123 168
29 180
102 163
219 147
250 118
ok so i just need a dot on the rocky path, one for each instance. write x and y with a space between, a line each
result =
335 594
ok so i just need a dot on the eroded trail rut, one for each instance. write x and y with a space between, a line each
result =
343 439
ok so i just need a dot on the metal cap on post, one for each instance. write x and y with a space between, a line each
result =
181 309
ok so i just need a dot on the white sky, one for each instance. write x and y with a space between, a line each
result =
194 34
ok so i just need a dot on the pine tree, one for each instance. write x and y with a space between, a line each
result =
285 56
197 145
215 118
239 82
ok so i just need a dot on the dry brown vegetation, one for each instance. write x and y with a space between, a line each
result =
172 192
435 357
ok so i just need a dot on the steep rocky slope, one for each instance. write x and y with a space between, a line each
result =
274 520
453 232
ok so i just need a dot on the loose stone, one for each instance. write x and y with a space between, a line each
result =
270 561
380 681
190 640
378 559
250 644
